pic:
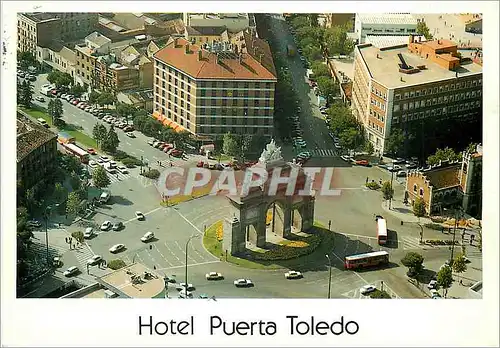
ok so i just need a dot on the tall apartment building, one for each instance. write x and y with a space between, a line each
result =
36 151
39 29
216 89
86 57
383 24
423 88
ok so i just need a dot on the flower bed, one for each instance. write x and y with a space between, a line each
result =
440 242
294 249
220 232
436 227
373 186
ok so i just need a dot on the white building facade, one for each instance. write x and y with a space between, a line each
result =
383 24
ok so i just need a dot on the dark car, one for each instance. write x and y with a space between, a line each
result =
117 226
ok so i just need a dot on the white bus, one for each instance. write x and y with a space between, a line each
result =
381 231
45 89
77 151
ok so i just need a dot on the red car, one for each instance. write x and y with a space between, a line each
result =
168 146
176 153
75 102
91 151
200 164
362 162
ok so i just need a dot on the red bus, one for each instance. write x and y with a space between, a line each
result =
366 260
74 150
381 231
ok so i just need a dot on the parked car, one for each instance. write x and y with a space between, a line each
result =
337 145
140 216
40 99
213 276
89 232
200 164
104 158
117 226
177 153
129 128
106 225
91 151
147 237
34 223
366 289
70 271
117 248
185 294
432 284
401 173
122 169
93 164
293 275
362 162
346 158
183 286
240 283
94 260
130 134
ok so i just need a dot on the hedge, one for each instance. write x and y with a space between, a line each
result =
433 226
438 219
116 264
373 185
131 161
152 174
292 250
440 242
379 294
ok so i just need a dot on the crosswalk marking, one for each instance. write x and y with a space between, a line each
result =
411 243
83 253
117 177
146 182
323 153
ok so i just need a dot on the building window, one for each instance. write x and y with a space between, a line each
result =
421 192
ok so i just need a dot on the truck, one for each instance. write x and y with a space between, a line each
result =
290 50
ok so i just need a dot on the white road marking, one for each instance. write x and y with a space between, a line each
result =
190 265
141 150
151 256
172 252
189 257
129 144
158 250
189 222
196 252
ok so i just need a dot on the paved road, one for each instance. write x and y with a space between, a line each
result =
315 130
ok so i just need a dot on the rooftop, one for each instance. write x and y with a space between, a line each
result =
228 67
121 282
383 66
444 176
208 31
98 39
38 17
383 41
386 18
30 136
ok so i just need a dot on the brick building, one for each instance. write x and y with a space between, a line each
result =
424 88
201 35
449 185
36 151
218 89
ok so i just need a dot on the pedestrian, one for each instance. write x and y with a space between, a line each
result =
380 181
366 180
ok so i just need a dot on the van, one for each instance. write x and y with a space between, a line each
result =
43 122
104 198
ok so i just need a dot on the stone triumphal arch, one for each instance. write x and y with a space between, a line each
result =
247 222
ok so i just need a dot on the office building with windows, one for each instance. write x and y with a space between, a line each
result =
215 88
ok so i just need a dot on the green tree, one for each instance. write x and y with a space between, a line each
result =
414 262
26 93
99 133
125 110
94 97
446 154
471 148
77 90
60 79
352 138
394 142
422 29
106 98
320 69
313 19
73 204
75 181
60 193
300 21
30 199
100 177
444 278
55 111
369 147
419 207
22 218
459 264
116 264
26 59
327 87
387 190
78 235
312 52
111 142
341 118
337 41
379 294
230 145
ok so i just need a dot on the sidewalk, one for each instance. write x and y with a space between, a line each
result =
403 212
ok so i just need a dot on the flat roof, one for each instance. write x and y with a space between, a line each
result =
386 18
383 41
120 281
383 65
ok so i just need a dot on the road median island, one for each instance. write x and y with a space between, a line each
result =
197 193
301 250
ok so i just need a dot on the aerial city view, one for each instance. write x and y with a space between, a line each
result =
249 155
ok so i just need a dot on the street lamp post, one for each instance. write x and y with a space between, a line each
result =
46 216
390 198
421 232
329 276
454 233
186 271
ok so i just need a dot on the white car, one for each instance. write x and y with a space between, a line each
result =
213 276
432 284
140 216
116 248
182 286
242 283
293 275
147 237
434 292
40 99
346 158
122 169
94 260
130 135
337 146
104 159
106 225
93 164
70 271
366 289
89 232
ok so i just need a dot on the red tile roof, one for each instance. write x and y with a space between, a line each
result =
207 67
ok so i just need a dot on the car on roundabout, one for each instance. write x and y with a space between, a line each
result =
213 276
140 216
117 226
148 236
89 233
293 275
367 289
94 260
117 248
243 283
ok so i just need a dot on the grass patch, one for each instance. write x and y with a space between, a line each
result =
197 193
37 112
318 245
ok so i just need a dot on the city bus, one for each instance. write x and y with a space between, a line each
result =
381 231
74 150
372 259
